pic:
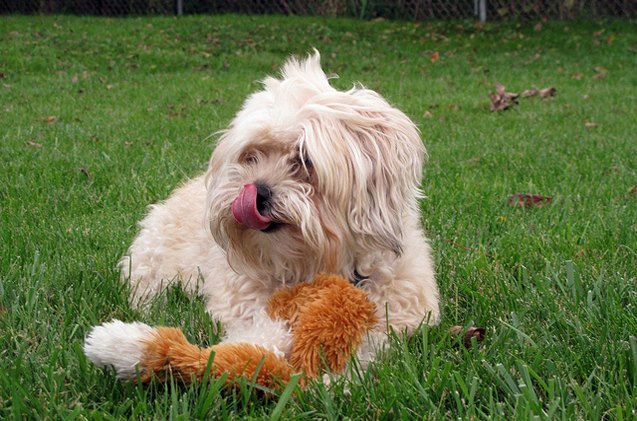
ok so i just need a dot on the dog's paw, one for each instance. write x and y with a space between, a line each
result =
118 344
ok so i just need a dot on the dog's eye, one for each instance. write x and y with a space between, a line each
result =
249 157
301 163
302 166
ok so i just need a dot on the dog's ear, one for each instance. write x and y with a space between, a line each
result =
375 156
394 155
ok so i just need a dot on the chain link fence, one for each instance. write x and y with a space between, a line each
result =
417 10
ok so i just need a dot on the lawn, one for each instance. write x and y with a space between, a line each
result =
101 117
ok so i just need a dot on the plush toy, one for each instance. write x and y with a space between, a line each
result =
329 318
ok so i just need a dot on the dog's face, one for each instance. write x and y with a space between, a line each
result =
309 179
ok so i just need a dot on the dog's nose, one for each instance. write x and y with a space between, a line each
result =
264 194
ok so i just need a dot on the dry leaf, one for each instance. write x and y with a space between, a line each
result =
435 56
525 200
547 92
84 171
472 332
427 114
632 190
502 99
455 330
34 144
542 93
590 125
529 92
601 72
49 118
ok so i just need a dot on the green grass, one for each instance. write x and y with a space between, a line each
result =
134 103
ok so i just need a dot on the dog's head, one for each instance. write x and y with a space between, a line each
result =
308 178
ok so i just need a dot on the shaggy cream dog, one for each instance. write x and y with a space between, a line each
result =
307 179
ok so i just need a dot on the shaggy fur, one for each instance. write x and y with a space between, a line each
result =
337 175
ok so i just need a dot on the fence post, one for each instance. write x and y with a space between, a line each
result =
179 7
480 9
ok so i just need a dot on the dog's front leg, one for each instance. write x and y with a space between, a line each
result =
260 329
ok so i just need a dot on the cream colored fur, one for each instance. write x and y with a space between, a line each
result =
344 169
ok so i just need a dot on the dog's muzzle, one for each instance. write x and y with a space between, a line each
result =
248 206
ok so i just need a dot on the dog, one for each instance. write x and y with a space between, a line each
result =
306 179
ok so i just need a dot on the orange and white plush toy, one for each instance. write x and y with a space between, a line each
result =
328 318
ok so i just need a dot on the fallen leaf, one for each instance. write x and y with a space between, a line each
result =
632 190
529 92
538 27
84 171
577 75
601 72
547 92
34 144
542 93
427 114
502 99
435 56
472 332
455 330
525 200
49 118
590 125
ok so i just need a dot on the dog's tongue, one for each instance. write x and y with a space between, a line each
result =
244 209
